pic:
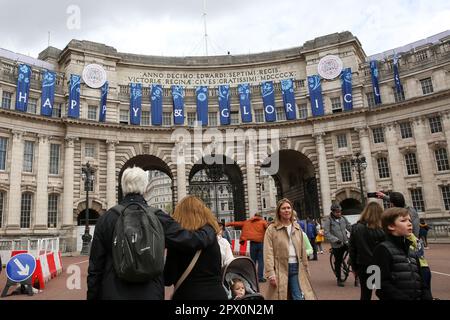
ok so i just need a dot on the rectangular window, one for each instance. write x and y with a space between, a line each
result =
28 156
383 168
212 119
52 210
421 55
427 86
411 164
89 150
25 210
417 199
378 135
446 196
234 117
230 205
92 113
54 158
346 171
32 105
191 118
2 201
167 118
406 130
342 140
281 114
6 100
370 99
56 111
336 105
303 111
435 124
3 150
259 115
145 118
442 159
123 116
398 96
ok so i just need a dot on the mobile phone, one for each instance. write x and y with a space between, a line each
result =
372 195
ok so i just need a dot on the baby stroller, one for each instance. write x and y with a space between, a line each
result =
244 269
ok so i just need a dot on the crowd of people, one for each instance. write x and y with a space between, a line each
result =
197 250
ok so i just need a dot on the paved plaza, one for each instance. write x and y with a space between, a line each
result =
322 279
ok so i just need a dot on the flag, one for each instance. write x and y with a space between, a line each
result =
315 95
287 89
224 104
48 93
23 87
156 103
244 102
74 97
135 103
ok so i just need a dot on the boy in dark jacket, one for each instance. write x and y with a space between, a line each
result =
400 275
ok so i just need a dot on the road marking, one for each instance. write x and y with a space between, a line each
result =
442 274
80 262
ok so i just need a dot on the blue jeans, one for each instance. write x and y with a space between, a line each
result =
293 283
256 253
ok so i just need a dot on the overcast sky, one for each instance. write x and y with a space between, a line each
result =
175 27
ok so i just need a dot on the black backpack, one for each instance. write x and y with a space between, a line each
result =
138 243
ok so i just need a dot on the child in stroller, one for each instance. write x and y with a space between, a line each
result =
241 269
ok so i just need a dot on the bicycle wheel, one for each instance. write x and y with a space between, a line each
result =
345 269
332 262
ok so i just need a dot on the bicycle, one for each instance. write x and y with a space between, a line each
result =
345 267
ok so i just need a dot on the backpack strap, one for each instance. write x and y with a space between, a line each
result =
188 270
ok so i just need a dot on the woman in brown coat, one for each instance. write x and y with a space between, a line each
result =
285 259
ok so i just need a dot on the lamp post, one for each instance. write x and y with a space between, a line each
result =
359 163
88 178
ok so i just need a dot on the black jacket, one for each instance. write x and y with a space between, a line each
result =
400 275
102 281
363 241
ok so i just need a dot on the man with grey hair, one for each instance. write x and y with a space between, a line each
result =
102 281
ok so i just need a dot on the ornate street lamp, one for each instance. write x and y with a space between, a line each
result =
88 178
359 163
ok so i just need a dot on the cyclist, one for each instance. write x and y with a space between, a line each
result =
336 227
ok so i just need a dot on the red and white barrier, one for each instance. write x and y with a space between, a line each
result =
240 249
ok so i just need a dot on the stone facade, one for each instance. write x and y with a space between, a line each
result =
313 166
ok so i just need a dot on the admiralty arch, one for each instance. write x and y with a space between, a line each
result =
396 115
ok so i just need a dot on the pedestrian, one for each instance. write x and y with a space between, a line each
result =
335 228
285 258
320 236
225 247
399 268
253 229
423 232
102 280
237 288
366 234
204 282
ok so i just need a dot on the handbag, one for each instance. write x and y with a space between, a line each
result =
187 271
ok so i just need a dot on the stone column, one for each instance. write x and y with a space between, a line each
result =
15 179
181 170
42 183
426 163
366 152
111 183
395 158
251 177
68 181
325 190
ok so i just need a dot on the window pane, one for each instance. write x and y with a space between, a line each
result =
54 158
281 114
435 124
259 115
123 116
342 141
383 168
89 150
336 105
167 118
378 135
3 150
417 200
25 210
28 155
427 86
411 164
145 118
32 105
442 159
52 210
446 196
6 100
212 119
92 112
406 130
346 171
2 199
303 111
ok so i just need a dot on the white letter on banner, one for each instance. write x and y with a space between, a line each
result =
349 99
47 103
317 104
104 108
245 110
135 111
24 97
289 107
177 113
225 113
376 91
73 103
271 107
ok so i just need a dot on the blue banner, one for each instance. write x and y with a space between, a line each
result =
135 103
375 85
315 95
224 104
23 87
244 102
202 104
347 91
48 93
157 104
398 84
103 101
73 110
268 97
287 89
178 104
